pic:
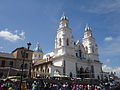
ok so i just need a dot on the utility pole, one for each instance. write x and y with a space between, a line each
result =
22 66
23 53
29 76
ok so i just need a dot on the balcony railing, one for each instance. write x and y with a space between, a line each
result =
82 58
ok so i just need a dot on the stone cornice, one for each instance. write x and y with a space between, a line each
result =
77 59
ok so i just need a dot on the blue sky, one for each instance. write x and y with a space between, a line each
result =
37 21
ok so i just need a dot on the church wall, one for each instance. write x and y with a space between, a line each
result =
70 67
58 62
70 51
93 57
54 68
59 52
84 65
97 70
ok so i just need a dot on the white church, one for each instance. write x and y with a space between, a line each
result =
69 58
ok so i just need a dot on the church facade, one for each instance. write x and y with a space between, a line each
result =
69 58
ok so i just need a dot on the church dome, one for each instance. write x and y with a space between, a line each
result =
64 17
37 48
87 28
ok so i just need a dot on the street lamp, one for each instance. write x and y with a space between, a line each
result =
23 53
23 57
29 76
29 44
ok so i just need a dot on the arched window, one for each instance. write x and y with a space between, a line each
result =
87 69
71 75
26 66
86 48
92 49
87 72
21 66
26 55
43 70
67 42
3 63
76 54
98 77
96 50
59 41
92 71
81 70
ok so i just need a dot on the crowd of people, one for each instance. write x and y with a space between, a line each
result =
74 86
44 85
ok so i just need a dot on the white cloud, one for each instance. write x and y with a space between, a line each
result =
111 48
111 69
11 36
22 34
108 38
16 31
108 60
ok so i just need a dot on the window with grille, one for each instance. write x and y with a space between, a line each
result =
3 63
11 63
26 55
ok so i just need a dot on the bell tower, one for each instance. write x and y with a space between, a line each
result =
90 44
64 44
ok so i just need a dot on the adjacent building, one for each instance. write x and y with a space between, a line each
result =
11 63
